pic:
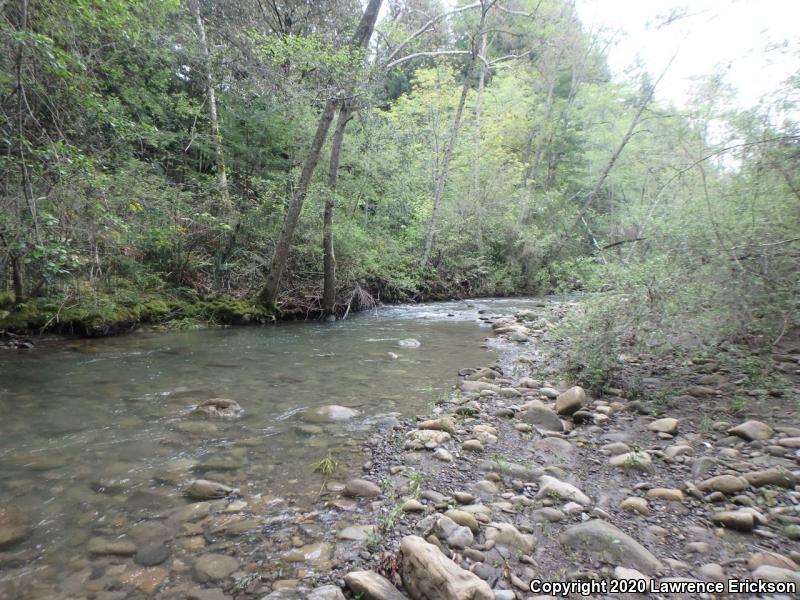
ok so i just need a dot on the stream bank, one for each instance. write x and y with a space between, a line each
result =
520 476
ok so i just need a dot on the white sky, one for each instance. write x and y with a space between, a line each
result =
732 34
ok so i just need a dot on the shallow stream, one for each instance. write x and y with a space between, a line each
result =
96 436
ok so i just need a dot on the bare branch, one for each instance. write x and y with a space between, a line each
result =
426 27
400 61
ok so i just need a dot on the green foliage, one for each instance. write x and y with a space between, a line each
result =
112 212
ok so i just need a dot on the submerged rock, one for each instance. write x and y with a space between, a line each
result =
102 547
213 567
14 526
218 407
409 343
204 489
329 413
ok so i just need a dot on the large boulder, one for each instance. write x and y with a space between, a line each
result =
429 575
571 401
608 543
14 526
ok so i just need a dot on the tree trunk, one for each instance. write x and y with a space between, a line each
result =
441 181
328 255
269 293
17 280
212 108
476 167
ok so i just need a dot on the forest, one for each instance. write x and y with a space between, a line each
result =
239 161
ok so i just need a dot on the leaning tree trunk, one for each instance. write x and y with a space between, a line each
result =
441 181
328 255
212 108
269 293
476 166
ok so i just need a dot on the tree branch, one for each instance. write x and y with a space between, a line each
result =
425 28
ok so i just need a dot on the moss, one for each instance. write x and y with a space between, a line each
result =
112 313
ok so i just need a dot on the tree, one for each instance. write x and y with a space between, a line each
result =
269 292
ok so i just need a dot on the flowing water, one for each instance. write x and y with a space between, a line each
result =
96 436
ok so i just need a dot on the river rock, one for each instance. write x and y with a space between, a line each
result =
772 559
665 425
412 506
752 430
790 442
218 407
443 455
429 438
151 554
638 460
204 489
213 567
328 413
316 554
472 446
727 484
326 592
635 504
552 487
776 575
442 424
103 547
779 477
361 488
478 386
610 544
409 343
505 534
429 575
14 526
549 392
712 572
677 450
356 533
371 586
668 494
571 400
464 519
146 580
454 535
740 520
536 413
